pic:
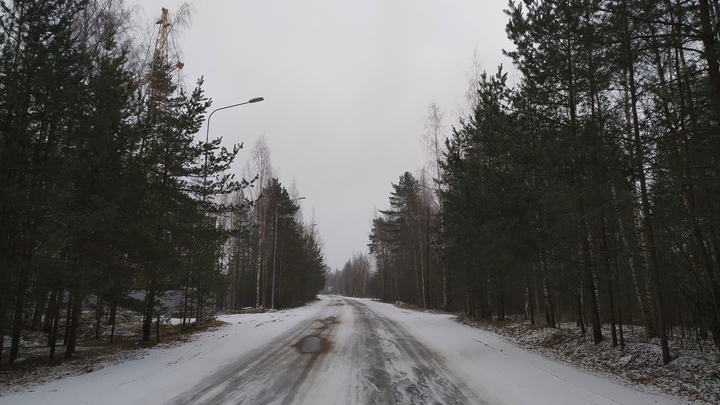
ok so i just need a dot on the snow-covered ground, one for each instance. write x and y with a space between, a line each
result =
338 351
693 373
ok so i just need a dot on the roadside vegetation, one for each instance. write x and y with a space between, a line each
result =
692 375
92 354
110 201
579 193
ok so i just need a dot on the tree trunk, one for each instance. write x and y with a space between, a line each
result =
98 316
3 318
647 319
609 272
157 329
17 320
707 36
112 317
185 303
49 315
41 298
47 323
547 292
68 314
419 276
653 266
650 249
592 292
427 260
702 257
529 305
55 324
259 272
149 310
384 271
76 310
580 204
580 320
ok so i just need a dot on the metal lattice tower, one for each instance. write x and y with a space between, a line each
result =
160 68
160 58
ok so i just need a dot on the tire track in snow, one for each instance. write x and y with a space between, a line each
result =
428 380
266 376
349 354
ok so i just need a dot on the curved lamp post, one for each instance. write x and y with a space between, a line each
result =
207 138
272 299
207 133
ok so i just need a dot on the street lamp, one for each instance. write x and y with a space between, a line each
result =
272 299
207 133
207 138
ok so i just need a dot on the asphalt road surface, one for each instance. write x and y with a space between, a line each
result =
349 354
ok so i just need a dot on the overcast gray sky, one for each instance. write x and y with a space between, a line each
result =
347 85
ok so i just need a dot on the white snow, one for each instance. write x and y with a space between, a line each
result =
496 370
167 371
506 374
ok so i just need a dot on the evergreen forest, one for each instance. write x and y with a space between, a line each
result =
586 191
111 202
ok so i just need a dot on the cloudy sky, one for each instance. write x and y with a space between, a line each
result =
347 86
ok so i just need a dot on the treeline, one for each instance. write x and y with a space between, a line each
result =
354 278
588 191
107 200
276 260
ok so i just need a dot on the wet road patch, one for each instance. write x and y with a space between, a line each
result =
328 320
312 344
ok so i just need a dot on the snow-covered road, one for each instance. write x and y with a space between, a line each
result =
338 351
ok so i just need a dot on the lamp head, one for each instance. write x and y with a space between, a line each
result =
256 100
